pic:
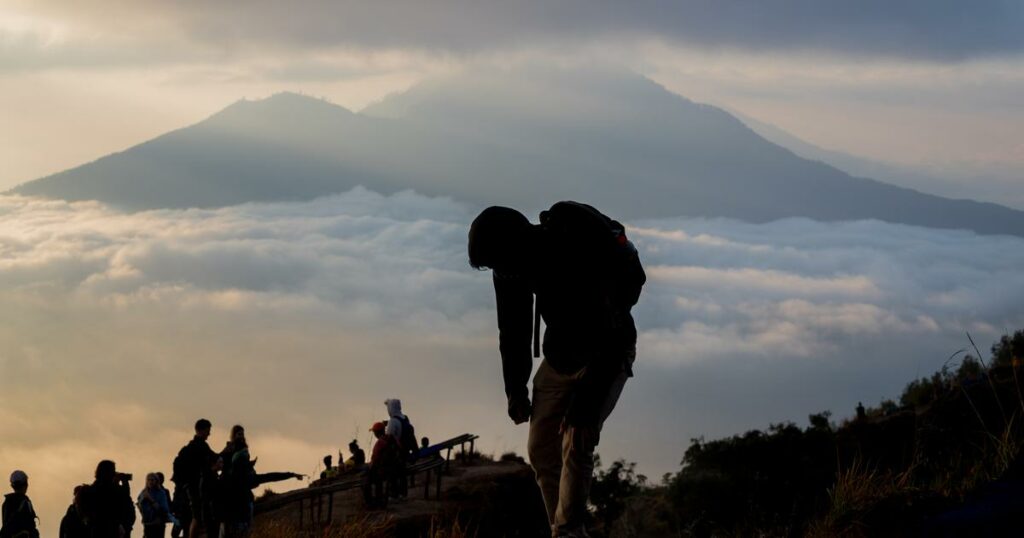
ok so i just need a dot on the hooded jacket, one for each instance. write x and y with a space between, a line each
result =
395 418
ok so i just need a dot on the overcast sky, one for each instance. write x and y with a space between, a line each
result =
935 84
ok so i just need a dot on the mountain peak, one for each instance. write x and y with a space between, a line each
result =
519 137
281 106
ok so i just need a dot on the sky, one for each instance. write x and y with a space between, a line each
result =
933 85
118 330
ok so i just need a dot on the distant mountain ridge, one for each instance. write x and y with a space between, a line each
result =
521 137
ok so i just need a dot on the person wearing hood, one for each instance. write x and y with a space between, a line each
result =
19 517
399 427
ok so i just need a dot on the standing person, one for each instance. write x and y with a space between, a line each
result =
155 508
19 517
586 276
399 427
190 465
238 481
72 525
109 512
383 460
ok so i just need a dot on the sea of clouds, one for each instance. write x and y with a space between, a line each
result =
118 330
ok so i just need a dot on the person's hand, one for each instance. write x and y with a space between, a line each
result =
519 409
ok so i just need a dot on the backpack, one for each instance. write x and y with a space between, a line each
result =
602 242
408 445
179 469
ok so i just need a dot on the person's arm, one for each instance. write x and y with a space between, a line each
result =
265 478
514 301
165 505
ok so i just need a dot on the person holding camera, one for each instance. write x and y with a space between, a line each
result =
109 510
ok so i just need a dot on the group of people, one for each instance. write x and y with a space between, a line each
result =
103 508
384 475
212 496
213 490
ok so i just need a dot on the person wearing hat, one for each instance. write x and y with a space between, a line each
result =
383 459
19 518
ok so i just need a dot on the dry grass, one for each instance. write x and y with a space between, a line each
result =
365 526
856 490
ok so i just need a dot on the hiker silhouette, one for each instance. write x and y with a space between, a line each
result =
586 276
19 517
238 479
193 462
106 504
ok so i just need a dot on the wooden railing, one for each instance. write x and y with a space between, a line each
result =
314 498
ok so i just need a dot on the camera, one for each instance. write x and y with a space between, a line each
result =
124 477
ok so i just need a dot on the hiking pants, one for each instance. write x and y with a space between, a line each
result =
563 473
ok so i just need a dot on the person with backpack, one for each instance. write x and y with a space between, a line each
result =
19 517
193 461
586 276
399 427
155 508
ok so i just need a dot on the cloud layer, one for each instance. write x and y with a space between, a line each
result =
118 330
917 29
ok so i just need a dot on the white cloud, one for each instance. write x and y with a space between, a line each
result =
118 330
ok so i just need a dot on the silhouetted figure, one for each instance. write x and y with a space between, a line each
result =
155 507
211 490
19 517
107 504
238 480
399 427
358 458
190 465
328 468
586 276
427 451
383 462
861 414
72 524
